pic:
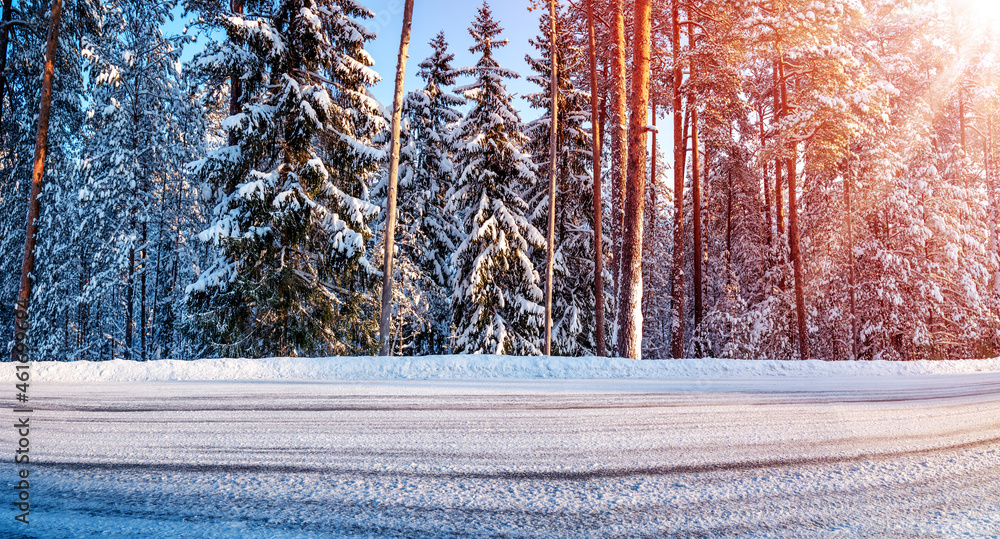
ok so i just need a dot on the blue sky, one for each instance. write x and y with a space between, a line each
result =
430 17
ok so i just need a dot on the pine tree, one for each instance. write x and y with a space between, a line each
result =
291 274
573 317
496 300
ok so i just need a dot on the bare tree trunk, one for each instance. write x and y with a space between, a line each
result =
235 82
144 319
37 175
851 277
129 300
553 158
677 315
597 131
630 313
390 228
767 188
793 233
778 113
696 209
619 158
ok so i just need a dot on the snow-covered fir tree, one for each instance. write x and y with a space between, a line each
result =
426 234
573 318
291 274
497 299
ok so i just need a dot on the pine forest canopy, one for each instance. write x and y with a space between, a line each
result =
819 179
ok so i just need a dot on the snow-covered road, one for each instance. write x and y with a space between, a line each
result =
848 456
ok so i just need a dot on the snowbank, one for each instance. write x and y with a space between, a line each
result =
482 367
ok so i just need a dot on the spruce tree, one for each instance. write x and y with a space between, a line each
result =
496 300
291 276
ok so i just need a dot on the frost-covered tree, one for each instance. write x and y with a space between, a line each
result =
573 318
291 276
496 300
106 280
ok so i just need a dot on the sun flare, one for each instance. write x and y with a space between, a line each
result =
985 13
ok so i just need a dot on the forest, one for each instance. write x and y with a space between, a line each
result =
750 179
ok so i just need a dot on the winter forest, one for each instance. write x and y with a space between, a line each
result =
753 179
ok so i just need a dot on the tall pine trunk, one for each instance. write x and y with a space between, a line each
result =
794 247
553 157
129 302
677 277
696 210
143 318
597 132
851 276
763 174
619 156
37 175
630 313
390 227
778 114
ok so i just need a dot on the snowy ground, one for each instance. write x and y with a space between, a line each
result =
512 447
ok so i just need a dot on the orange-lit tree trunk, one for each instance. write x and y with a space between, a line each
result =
630 312
619 153
596 133
794 248
677 276
851 276
696 210
778 112
763 174
37 175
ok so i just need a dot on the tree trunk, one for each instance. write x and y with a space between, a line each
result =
851 276
143 318
763 174
793 233
778 114
597 131
696 209
619 157
390 228
677 307
553 157
235 82
37 175
630 313
129 301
